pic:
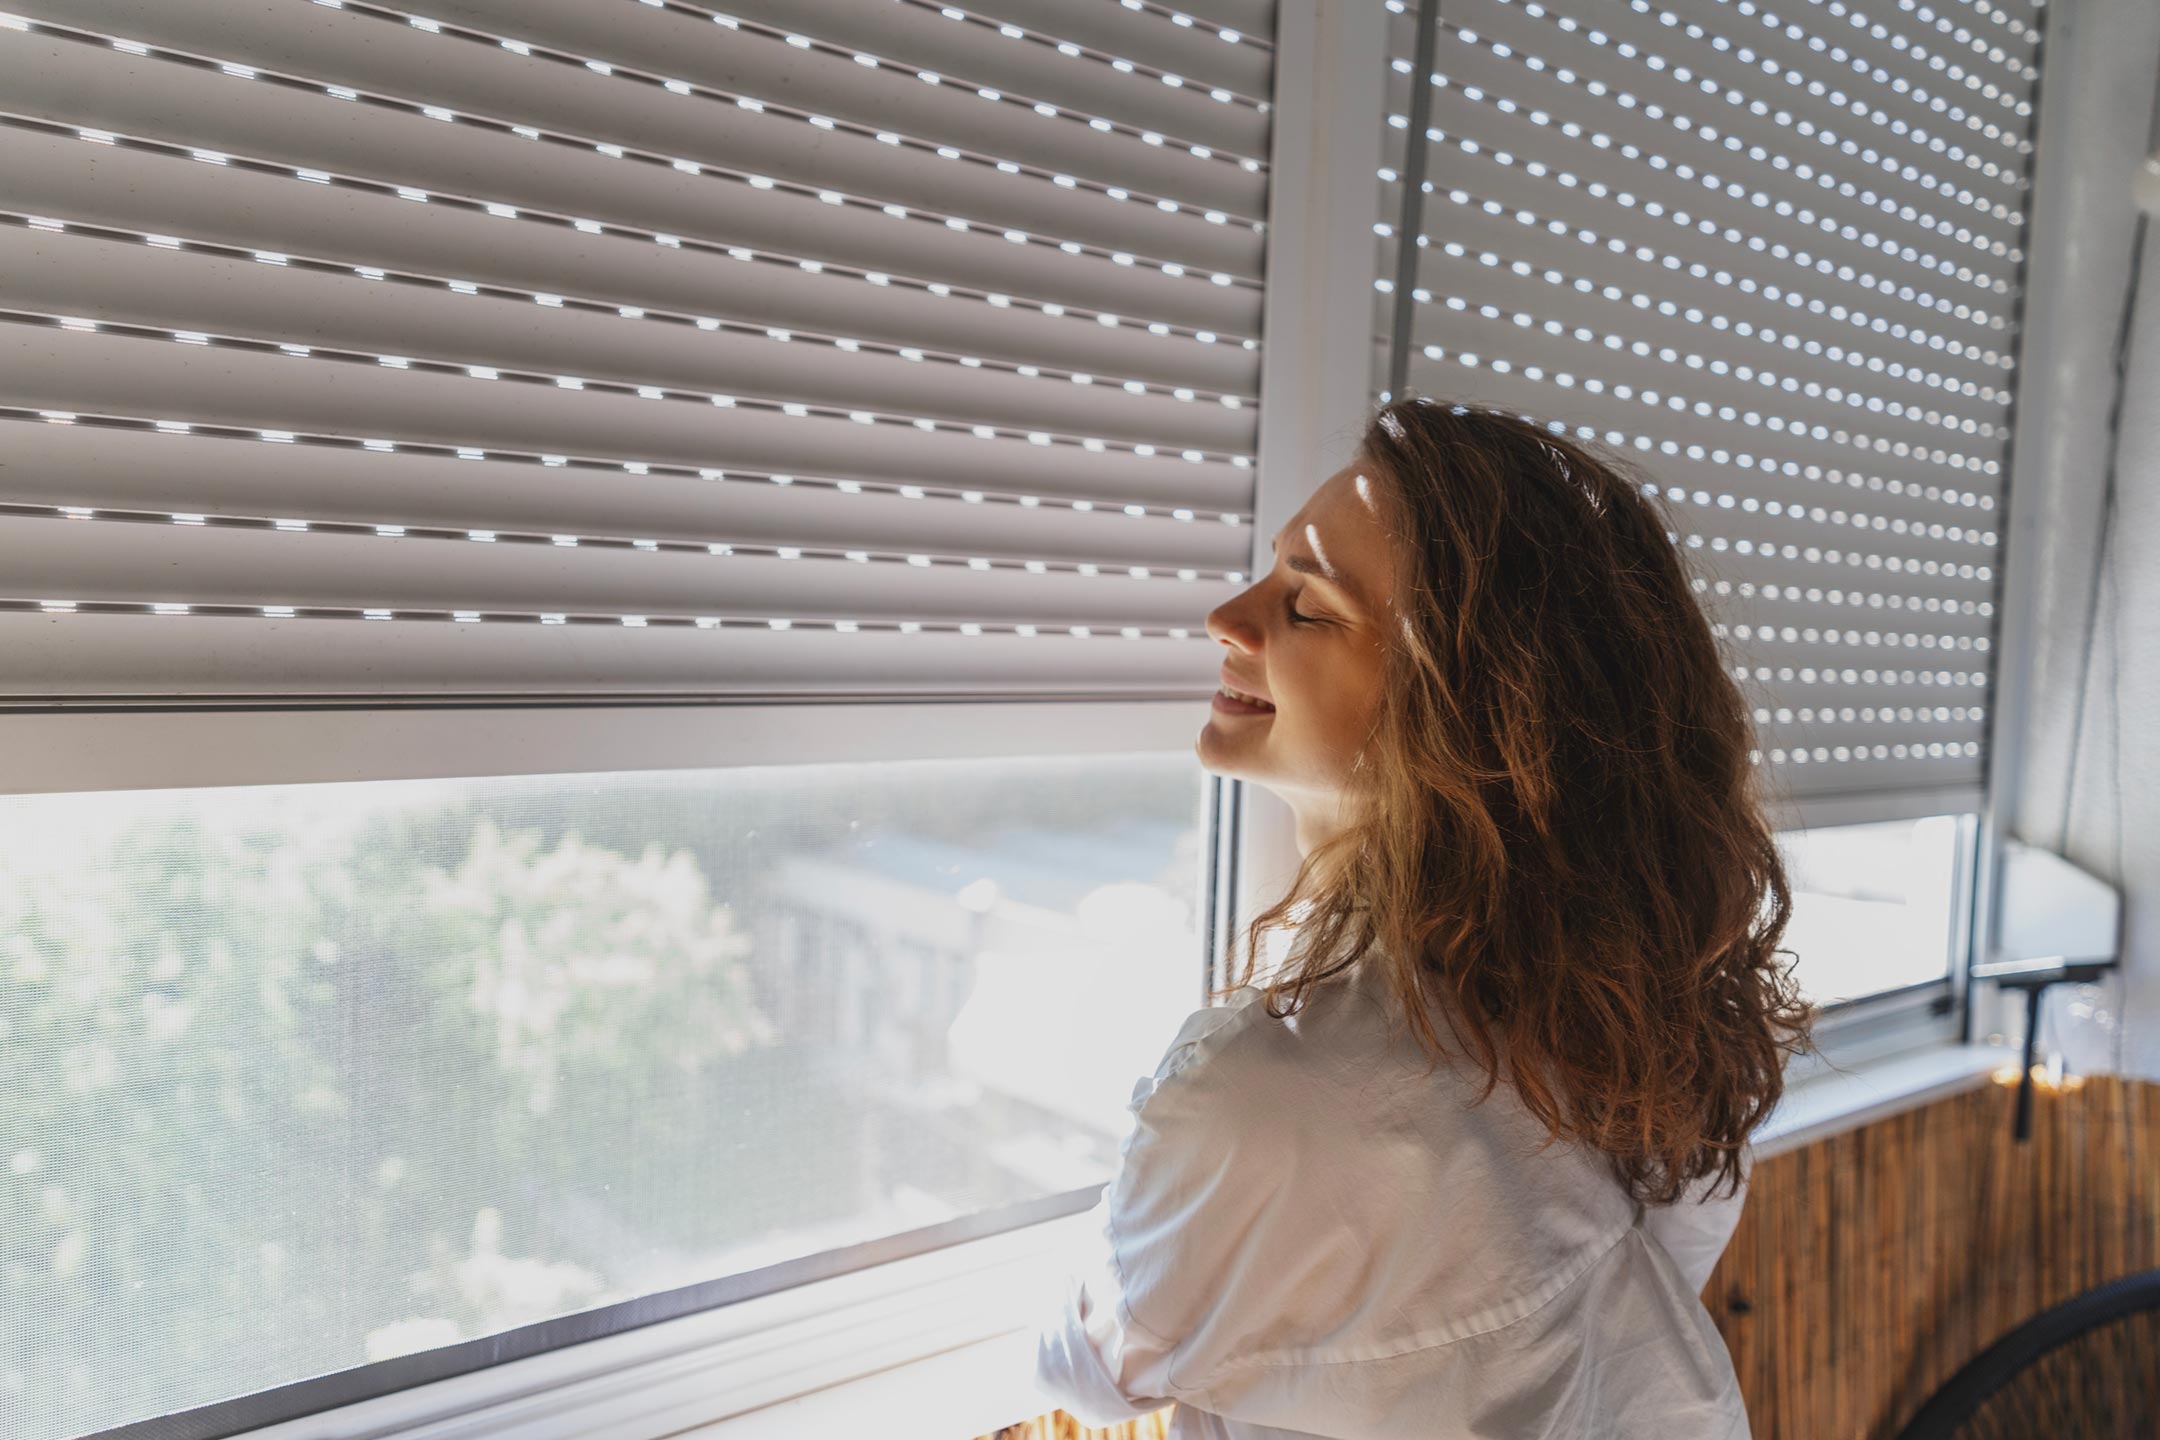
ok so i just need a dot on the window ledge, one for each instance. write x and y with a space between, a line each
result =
937 1345
934 1347
1832 1101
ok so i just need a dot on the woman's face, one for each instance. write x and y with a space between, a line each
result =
1308 637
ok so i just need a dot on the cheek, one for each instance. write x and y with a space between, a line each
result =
1339 697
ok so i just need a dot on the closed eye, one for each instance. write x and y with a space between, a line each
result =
1297 618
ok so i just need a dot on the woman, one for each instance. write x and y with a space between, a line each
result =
1529 817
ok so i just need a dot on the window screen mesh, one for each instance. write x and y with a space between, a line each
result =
887 347
1772 256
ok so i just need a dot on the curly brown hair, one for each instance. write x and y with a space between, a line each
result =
1561 844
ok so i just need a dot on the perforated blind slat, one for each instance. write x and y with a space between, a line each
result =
1772 259
219 565
195 657
335 481
617 314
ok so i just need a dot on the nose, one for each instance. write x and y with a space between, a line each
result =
1228 624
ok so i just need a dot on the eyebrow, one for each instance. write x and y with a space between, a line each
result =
1305 565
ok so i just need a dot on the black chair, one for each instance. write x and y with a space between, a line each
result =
2088 1369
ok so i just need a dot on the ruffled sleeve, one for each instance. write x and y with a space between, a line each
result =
1137 1321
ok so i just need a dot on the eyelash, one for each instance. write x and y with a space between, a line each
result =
1297 619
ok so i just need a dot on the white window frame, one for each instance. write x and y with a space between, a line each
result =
77 748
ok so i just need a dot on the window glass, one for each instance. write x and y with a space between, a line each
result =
297 1078
1872 904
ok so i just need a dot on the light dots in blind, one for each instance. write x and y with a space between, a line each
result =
1837 311
1806 128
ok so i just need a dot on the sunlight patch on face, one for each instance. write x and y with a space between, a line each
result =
1312 538
1364 490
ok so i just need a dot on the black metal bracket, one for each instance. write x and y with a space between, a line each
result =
2035 983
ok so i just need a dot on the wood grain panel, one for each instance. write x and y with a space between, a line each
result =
1869 1266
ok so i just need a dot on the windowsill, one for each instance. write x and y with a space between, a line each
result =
935 1347
960 1394
1833 1101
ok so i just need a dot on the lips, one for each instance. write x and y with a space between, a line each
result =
1244 696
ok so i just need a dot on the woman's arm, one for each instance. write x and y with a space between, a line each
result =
1091 1361
1695 1231
1147 1308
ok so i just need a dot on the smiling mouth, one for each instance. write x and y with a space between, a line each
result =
1240 698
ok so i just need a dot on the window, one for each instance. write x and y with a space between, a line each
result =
319 1075
406 399
1875 906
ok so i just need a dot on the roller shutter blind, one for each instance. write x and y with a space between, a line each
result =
598 346
1771 254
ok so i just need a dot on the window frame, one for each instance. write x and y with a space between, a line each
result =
1907 1017
698 1368
84 748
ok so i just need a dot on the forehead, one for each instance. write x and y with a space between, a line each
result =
1343 511
1338 527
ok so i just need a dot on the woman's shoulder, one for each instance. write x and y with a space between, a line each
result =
1339 1089
1301 1189
1320 1075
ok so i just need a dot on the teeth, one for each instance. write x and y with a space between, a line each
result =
1248 699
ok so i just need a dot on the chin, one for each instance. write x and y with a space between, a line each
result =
1223 755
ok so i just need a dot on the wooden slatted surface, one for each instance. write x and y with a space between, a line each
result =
1868 1267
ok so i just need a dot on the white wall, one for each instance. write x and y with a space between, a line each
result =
2082 778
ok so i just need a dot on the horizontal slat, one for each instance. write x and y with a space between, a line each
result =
1848 51
1956 311
1543 34
105 468
1903 603
140 193
1846 321
1754 200
139 284
1927 784
1993 21
1248 17
914 35
1584 246
118 561
175 658
1538 65
1481 91
1835 434
1698 323
1143 32
47 368
1985 79
462 64
1738 477
1888 731
1893 674
470 165
1841 428
1804 678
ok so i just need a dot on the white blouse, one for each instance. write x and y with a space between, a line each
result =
1308 1236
